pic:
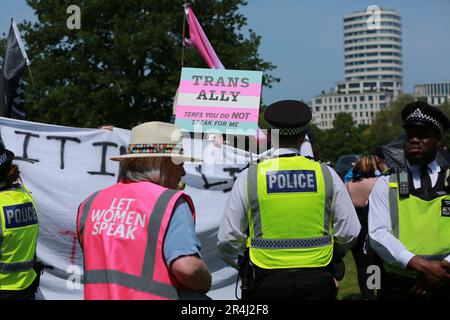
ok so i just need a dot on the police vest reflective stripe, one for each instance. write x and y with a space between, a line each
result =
138 283
19 231
419 225
146 281
17 266
279 193
290 243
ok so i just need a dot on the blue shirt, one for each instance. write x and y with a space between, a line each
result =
181 239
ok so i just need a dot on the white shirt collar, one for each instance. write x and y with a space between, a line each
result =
433 167
282 151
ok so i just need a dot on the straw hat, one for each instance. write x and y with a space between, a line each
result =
155 139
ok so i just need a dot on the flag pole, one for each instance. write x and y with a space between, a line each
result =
22 49
31 77
183 33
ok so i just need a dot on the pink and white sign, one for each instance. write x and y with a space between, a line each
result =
219 101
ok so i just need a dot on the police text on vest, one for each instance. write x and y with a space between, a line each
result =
20 215
291 181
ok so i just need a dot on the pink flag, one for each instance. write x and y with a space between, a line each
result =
200 41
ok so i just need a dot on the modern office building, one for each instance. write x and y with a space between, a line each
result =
433 93
373 69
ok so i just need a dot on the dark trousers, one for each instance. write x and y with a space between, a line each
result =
363 255
26 294
290 284
395 287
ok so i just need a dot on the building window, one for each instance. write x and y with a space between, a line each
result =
370 98
361 98
317 109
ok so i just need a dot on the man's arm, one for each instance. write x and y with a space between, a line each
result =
233 226
192 273
346 225
182 251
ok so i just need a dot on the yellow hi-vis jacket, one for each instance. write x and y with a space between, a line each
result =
18 238
422 226
290 213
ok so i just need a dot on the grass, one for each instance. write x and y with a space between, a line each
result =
348 288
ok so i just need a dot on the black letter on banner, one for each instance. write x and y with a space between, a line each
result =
208 185
232 172
26 141
105 146
63 143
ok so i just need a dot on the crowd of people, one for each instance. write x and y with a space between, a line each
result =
287 225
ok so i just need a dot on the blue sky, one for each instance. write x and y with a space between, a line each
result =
304 39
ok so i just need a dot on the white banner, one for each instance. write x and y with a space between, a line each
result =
63 165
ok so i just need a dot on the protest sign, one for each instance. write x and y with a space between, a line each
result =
219 101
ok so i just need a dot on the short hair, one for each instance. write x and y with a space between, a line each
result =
285 139
364 167
153 169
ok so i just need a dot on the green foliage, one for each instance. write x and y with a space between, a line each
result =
123 66
2 49
388 123
345 137
446 136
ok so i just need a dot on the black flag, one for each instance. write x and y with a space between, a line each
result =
11 84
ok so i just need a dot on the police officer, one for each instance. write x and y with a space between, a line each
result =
409 217
293 215
18 233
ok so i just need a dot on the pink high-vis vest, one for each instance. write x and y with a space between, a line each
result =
121 230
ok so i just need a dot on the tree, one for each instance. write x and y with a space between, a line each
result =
123 66
446 136
343 138
387 124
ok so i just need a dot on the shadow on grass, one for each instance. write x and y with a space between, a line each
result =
352 296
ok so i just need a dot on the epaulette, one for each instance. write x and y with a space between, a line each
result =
390 171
